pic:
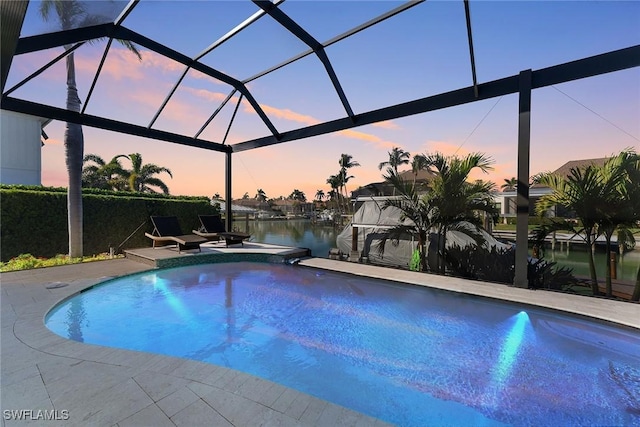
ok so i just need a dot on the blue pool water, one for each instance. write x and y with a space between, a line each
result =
408 355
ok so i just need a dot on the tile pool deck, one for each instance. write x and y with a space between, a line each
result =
105 386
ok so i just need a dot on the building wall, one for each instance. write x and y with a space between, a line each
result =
20 148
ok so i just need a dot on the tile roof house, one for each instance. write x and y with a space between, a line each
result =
422 179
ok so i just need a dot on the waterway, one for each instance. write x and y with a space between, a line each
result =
320 238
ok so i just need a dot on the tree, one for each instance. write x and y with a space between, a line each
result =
298 196
72 14
621 179
604 198
141 177
107 176
334 182
319 195
580 192
417 209
346 162
418 163
261 195
454 201
510 184
397 157
452 204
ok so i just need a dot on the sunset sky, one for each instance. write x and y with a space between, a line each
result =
418 53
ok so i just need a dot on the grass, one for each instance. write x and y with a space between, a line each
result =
28 261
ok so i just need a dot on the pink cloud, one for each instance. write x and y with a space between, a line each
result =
387 124
367 137
286 114
207 94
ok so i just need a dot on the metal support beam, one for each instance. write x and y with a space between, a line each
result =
40 110
63 38
471 54
292 26
338 38
595 65
227 192
423 105
522 210
12 15
126 34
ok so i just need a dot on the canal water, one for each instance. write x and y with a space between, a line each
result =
320 238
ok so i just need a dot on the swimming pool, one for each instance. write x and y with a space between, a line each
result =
405 354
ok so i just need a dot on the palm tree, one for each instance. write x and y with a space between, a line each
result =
397 157
72 14
621 176
455 201
451 204
107 176
334 181
510 184
346 162
417 209
580 192
342 174
261 195
141 177
298 196
319 195
418 163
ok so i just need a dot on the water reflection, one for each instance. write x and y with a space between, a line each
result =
75 318
299 233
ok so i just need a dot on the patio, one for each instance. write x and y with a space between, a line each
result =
106 386
96 385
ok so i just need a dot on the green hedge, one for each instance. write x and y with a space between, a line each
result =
34 220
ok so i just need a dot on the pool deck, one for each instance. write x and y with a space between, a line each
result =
112 387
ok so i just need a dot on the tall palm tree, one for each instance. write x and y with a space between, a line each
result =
334 181
96 173
320 195
72 14
141 177
346 162
397 157
455 201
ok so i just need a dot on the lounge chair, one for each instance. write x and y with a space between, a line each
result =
166 229
213 229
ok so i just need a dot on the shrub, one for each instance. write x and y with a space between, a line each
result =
28 261
34 219
496 265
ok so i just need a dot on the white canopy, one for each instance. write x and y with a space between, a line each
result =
372 221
